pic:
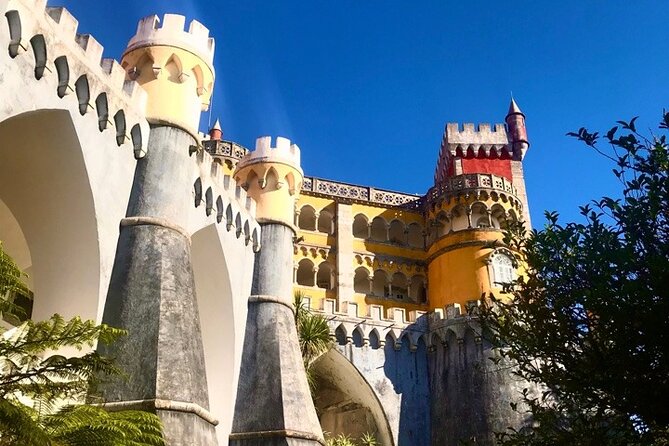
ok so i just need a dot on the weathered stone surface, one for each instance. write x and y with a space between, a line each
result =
274 406
152 294
470 394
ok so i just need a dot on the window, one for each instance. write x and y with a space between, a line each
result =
503 269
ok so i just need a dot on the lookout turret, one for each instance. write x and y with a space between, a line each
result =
174 66
273 177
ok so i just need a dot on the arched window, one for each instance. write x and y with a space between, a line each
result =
503 269
396 232
360 226
307 218
380 283
415 235
325 276
379 231
482 222
305 273
399 286
361 281
326 222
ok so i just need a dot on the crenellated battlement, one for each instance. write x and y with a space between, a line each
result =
283 152
470 139
224 200
396 323
265 173
171 32
47 38
471 134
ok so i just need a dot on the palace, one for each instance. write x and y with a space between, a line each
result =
122 212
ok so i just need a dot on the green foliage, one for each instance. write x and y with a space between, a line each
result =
36 385
314 336
589 322
345 440
11 286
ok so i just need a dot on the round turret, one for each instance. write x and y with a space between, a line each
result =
272 176
175 67
466 215
515 121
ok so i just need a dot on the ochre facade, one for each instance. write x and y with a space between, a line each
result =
358 247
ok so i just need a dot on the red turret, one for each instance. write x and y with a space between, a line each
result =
515 122
216 134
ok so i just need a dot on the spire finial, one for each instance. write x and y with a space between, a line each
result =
513 107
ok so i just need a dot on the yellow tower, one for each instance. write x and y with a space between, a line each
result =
479 189
175 67
272 176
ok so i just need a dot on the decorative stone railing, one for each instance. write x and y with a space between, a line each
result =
225 148
463 183
360 193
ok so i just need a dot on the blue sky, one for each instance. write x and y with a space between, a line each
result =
365 87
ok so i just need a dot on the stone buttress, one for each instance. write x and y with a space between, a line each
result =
152 293
274 406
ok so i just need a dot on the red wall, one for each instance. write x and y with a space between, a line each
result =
481 165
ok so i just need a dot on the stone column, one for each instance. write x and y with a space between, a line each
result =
152 296
152 291
345 272
274 405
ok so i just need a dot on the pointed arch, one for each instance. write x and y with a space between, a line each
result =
358 337
374 339
174 69
271 179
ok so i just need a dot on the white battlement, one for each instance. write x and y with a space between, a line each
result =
283 152
171 32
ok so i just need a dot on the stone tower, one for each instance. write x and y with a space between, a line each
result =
151 292
274 406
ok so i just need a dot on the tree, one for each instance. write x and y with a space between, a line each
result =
313 334
38 386
588 321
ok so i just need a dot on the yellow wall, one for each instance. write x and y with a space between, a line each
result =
454 266
457 271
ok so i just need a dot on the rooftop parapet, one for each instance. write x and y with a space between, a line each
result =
470 134
173 33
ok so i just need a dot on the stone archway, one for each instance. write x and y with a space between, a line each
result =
218 325
345 402
49 213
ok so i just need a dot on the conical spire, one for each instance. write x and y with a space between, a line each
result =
216 133
513 108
